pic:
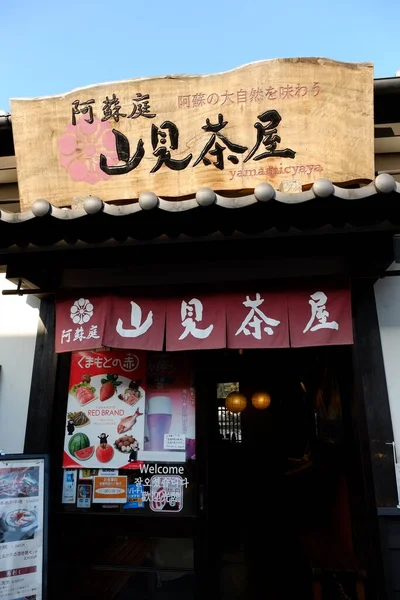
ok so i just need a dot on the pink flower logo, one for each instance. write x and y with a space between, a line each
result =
80 148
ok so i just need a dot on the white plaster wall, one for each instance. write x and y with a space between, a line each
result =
18 326
387 295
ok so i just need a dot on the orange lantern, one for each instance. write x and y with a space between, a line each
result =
261 400
235 402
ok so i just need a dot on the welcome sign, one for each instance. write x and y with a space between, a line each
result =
271 121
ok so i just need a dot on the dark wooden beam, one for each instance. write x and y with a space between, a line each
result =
373 394
41 400
203 272
214 261
372 433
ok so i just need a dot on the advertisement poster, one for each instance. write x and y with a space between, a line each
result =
108 490
106 407
170 408
22 502
128 407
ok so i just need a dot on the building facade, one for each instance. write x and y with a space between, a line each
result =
258 474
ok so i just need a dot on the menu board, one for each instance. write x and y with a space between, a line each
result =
23 527
126 407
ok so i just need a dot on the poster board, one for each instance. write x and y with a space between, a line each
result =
23 526
272 121
127 407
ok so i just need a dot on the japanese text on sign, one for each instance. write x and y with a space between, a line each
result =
254 94
258 320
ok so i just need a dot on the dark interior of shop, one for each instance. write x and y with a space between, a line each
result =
283 477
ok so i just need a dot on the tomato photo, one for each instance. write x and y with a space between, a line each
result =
104 453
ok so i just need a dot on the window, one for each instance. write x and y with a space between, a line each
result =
229 423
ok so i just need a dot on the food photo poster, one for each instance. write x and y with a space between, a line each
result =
22 527
127 407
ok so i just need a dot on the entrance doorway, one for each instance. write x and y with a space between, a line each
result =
284 505
279 507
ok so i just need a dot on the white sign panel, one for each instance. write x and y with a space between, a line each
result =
174 441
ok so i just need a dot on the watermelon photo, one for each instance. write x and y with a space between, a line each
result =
85 453
77 443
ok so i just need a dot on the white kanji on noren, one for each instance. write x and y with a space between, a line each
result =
319 314
191 314
93 333
254 319
66 336
79 334
138 328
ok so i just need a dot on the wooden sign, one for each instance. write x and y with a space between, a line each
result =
270 121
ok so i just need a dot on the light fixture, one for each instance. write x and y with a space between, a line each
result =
303 387
235 402
261 400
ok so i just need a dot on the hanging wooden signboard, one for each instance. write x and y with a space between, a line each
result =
270 121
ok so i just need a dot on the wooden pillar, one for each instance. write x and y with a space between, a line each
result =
38 426
373 395
373 426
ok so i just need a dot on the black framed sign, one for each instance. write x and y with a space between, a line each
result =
23 526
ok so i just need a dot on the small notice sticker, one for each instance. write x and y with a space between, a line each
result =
110 490
69 486
84 497
174 441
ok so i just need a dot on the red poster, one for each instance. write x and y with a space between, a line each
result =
80 323
135 323
196 323
257 320
105 420
320 317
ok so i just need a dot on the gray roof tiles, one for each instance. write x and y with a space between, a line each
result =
323 188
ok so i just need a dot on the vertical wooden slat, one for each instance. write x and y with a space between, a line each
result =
373 394
372 420
37 436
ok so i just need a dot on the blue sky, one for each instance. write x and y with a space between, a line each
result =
51 47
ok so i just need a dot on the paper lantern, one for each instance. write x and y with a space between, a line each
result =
261 400
235 402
